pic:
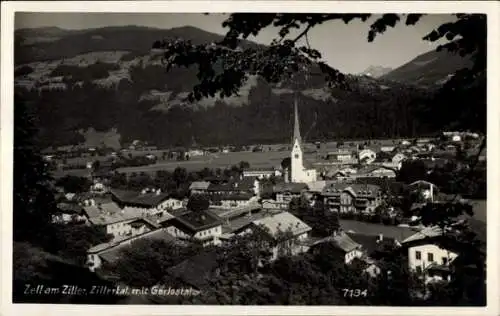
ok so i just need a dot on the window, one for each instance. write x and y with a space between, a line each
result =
418 255
296 156
430 257
445 260
419 269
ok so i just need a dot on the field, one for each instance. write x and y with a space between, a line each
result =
271 157
255 159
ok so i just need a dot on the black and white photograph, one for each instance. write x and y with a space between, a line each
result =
251 158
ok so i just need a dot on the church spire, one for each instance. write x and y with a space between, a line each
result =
296 126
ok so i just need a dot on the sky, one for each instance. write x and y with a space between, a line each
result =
343 46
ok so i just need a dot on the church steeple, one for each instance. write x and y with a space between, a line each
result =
296 125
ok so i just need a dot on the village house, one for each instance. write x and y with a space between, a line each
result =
341 156
262 173
285 192
199 187
387 149
69 213
111 252
218 191
367 156
117 222
203 226
145 202
427 257
232 200
287 234
375 172
340 244
195 272
352 198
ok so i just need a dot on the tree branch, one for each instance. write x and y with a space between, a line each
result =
304 32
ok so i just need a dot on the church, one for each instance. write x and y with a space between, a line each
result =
299 172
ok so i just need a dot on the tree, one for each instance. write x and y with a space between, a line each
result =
285 54
244 165
74 184
145 261
286 163
180 176
198 203
33 199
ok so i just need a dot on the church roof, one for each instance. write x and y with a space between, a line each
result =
296 125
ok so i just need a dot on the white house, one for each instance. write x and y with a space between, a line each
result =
425 254
146 202
299 172
398 158
287 234
340 242
367 156
203 226
69 213
117 222
262 173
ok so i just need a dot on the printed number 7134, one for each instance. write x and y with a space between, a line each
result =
355 293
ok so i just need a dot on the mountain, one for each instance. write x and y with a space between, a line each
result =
109 80
376 71
429 69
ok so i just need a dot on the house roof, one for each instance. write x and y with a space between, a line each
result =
265 170
428 232
290 187
138 198
341 241
389 185
234 197
370 242
197 221
316 186
70 208
112 254
283 222
356 189
245 184
199 185
372 168
196 271
234 225
108 213
396 232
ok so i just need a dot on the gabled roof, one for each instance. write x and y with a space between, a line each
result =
356 189
111 252
108 213
196 221
138 198
199 185
341 241
70 208
428 232
396 232
196 271
245 184
370 242
283 222
316 186
290 187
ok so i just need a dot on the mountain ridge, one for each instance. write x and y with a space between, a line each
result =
114 81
